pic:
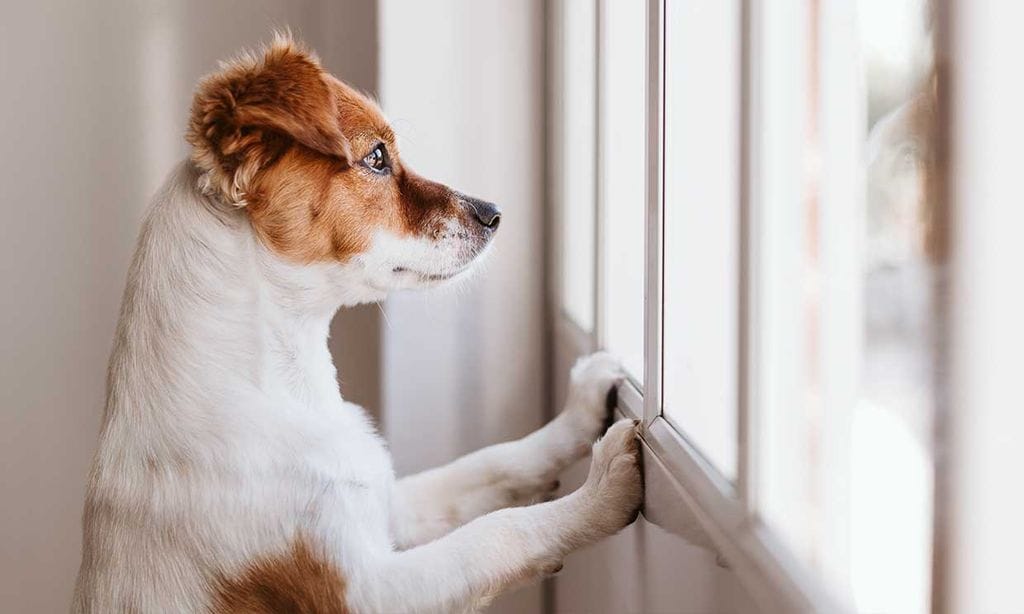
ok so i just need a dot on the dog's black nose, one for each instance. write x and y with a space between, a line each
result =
485 213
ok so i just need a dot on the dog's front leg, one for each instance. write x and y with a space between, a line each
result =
501 549
430 504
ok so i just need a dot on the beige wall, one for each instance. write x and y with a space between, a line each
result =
462 81
94 97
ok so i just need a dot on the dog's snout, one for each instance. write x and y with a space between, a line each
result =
485 213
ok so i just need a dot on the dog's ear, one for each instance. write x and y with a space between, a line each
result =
244 113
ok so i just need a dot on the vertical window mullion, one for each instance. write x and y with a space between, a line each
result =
622 175
654 212
780 38
747 431
984 537
600 312
573 149
841 192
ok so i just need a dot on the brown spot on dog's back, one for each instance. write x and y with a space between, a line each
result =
298 581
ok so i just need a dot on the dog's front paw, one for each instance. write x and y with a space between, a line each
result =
591 380
614 486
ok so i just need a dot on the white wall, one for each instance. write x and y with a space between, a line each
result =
94 97
462 82
980 508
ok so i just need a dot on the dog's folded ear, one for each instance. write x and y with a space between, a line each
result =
243 114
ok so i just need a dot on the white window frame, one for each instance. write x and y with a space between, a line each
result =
776 581
682 486
979 532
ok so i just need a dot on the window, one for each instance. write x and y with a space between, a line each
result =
577 145
622 180
769 246
846 229
701 225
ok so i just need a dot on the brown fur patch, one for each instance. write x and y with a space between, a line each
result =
240 113
281 136
297 581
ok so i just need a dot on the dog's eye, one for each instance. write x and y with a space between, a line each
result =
377 160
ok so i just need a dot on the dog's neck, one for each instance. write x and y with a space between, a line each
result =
209 311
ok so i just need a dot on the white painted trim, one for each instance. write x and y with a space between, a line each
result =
842 101
747 431
654 214
686 494
599 192
776 580
983 534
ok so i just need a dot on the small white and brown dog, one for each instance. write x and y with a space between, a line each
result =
231 476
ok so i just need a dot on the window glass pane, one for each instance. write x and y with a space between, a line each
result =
578 157
891 480
850 247
701 215
787 467
622 179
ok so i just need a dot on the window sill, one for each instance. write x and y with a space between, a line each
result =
688 497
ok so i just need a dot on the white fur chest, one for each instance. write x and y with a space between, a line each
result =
225 437
321 473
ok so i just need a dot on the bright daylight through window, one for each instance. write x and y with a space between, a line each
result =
578 140
801 260
848 265
621 181
702 231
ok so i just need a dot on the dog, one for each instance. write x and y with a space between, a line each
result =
231 476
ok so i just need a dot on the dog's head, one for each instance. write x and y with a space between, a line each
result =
315 165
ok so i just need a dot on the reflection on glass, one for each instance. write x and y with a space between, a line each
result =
851 253
891 434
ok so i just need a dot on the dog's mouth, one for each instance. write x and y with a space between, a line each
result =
429 276
410 273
